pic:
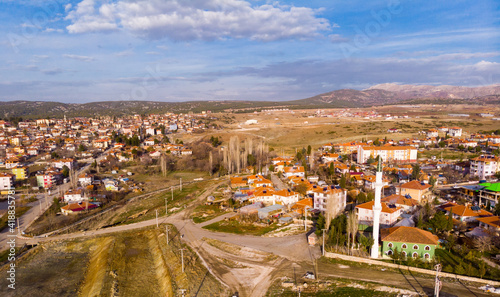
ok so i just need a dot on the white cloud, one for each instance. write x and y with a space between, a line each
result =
80 58
198 19
86 19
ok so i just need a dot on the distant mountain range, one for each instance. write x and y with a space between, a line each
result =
382 94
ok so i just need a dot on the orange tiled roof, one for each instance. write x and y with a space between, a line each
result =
492 221
408 235
467 211
415 185
385 207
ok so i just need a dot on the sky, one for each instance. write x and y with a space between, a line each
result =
183 50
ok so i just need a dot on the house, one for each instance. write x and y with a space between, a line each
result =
85 179
416 190
238 182
73 208
294 171
264 195
328 157
406 203
70 163
369 181
6 181
432 133
455 132
409 241
21 172
286 196
467 213
388 216
491 224
303 205
73 195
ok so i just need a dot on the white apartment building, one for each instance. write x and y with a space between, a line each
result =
387 153
455 132
6 181
330 199
484 166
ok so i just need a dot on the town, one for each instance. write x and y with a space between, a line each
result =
434 196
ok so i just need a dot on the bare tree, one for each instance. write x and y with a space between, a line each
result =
352 228
483 243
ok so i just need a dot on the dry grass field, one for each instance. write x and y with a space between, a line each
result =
135 263
290 130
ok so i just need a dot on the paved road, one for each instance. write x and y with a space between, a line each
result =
35 211
279 184
293 248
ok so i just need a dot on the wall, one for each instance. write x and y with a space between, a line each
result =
414 269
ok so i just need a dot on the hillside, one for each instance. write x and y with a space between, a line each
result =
383 94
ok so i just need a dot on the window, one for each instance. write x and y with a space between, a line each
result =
404 246
415 255
390 245
403 253
389 253
427 256
427 248
415 247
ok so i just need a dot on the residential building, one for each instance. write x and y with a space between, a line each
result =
294 171
409 241
491 224
484 166
406 203
286 197
6 181
73 208
73 195
455 132
387 153
388 216
330 200
416 190
467 213
21 172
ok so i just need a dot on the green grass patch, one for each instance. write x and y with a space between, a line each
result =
234 226
145 209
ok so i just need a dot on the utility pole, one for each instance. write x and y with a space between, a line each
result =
167 227
172 193
438 283
305 220
157 218
182 259
180 184
18 227
166 207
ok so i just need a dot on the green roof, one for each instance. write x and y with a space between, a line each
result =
494 187
485 184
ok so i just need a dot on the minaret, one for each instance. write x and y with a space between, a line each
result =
377 207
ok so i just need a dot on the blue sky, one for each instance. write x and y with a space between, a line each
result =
180 50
